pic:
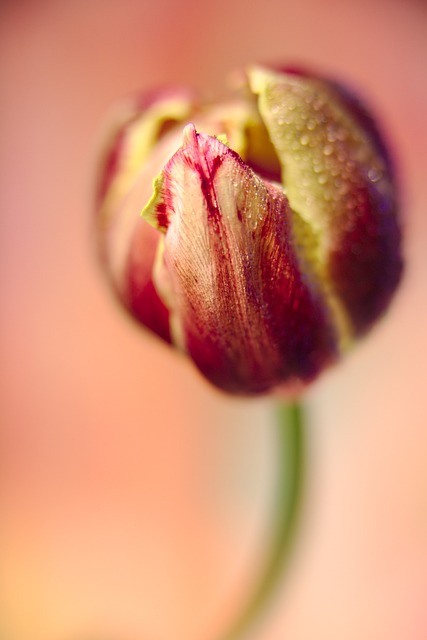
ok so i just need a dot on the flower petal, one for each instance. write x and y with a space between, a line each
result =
143 140
229 274
338 178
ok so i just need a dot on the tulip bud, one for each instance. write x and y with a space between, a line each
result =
271 241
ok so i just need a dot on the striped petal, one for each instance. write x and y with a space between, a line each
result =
239 301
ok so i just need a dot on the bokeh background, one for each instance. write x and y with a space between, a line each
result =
135 501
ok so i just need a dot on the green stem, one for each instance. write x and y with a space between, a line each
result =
291 466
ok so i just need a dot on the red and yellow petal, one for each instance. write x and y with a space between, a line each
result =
240 304
337 177
142 140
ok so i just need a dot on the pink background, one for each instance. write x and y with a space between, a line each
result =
135 499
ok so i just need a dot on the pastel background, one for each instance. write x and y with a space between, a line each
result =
135 500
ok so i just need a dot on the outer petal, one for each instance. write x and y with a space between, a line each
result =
141 142
230 276
338 178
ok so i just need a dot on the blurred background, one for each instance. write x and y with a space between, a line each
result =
135 501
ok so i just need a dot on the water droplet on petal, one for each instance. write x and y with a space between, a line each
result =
374 174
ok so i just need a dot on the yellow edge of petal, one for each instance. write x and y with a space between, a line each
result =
149 211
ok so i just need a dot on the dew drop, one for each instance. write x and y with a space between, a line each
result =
331 133
305 139
374 174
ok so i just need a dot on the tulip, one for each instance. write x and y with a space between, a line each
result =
271 241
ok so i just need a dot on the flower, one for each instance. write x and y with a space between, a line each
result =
271 241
